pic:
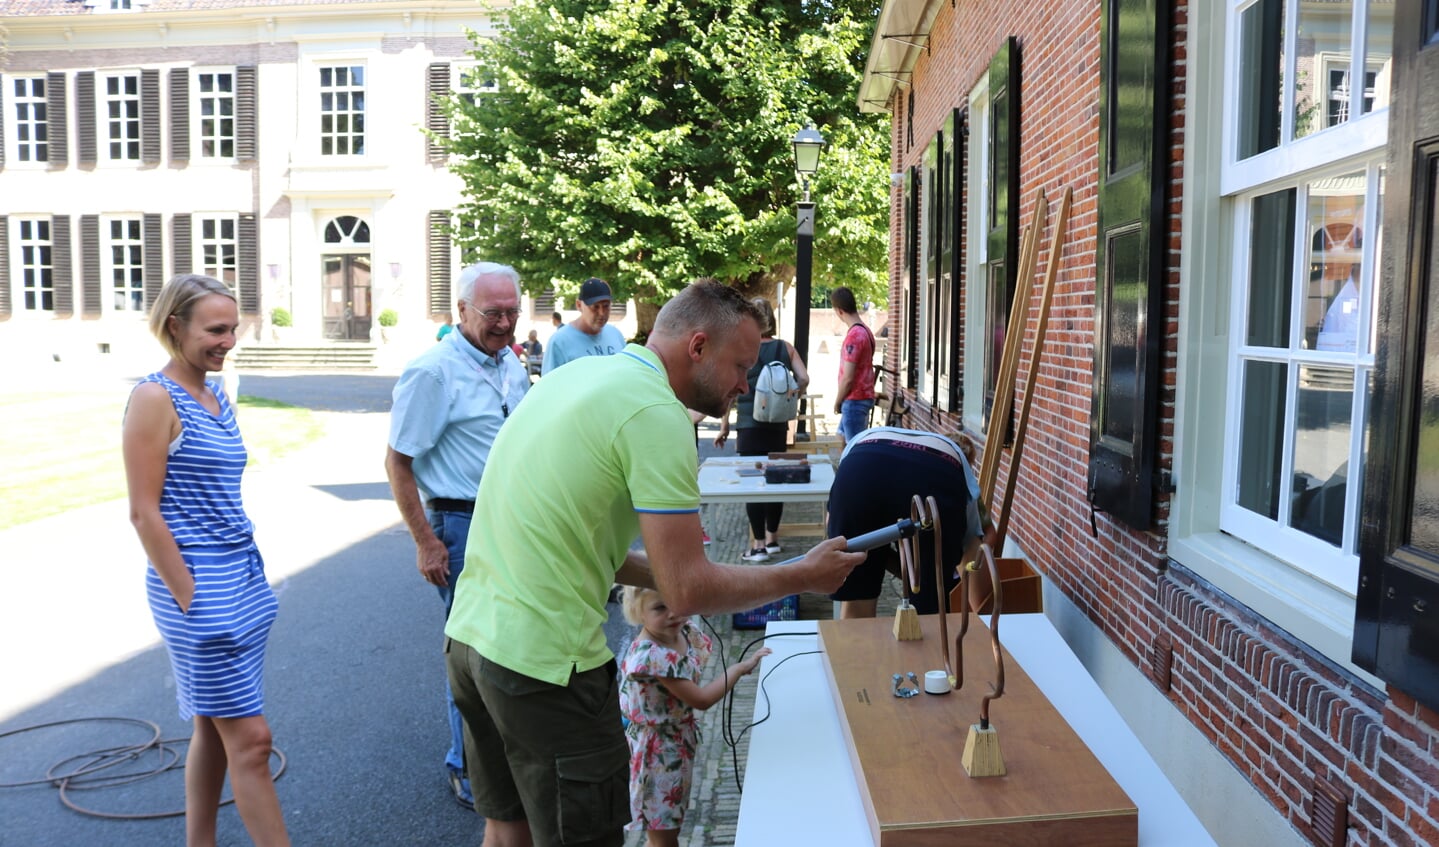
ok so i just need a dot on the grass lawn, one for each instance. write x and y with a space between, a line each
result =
62 451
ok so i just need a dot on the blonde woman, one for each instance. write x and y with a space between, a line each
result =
206 582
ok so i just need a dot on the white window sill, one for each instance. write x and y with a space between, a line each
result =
1308 609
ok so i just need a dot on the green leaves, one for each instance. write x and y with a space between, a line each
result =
649 143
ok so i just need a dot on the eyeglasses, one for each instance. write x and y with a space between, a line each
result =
494 315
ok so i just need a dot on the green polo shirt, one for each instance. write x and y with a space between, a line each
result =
594 444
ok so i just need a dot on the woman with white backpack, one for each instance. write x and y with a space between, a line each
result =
758 433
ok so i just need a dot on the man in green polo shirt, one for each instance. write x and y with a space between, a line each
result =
601 451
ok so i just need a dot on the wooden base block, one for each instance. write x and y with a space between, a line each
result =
906 624
909 754
981 753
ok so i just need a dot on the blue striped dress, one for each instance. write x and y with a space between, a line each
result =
217 650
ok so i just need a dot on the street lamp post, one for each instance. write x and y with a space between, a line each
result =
808 144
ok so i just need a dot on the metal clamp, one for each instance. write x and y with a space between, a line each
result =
899 688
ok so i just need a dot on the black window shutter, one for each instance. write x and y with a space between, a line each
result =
154 258
58 131
438 240
4 265
181 240
951 331
247 102
179 116
90 264
1002 237
150 116
437 85
85 118
61 269
1128 316
2 135
1396 608
248 258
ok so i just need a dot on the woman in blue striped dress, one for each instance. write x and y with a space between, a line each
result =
206 581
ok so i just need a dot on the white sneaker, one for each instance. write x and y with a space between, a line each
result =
772 548
758 554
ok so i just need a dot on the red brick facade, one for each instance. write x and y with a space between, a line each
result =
1283 715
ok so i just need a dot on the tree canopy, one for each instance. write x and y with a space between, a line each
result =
648 142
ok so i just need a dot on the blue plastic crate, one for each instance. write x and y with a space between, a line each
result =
784 609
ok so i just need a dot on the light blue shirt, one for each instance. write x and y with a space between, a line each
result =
570 343
448 407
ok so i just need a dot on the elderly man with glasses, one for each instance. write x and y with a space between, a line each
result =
588 335
449 404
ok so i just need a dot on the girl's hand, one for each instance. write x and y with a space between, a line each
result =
748 665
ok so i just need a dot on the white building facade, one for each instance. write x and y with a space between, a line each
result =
278 147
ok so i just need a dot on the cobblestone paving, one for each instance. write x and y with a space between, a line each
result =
713 811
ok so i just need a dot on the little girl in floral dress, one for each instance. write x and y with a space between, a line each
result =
659 693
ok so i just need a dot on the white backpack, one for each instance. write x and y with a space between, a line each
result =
776 394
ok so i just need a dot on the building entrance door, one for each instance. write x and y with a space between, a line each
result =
346 289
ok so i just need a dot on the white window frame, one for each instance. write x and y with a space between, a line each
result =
1337 567
134 287
115 7
105 127
925 281
210 243
30 267
198 119
348 90
976 288
15 106
1217 188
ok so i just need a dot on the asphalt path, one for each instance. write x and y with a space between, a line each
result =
353 677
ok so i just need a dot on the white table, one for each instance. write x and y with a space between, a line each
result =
799 785
720 482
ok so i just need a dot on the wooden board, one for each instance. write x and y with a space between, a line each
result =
906 752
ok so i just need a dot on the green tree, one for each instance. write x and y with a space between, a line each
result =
648 142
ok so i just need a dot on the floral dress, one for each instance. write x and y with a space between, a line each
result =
662 731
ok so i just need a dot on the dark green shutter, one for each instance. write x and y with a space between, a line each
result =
4 265
180 117
437 85
247 105
85 120
437 239
57 133
1003 203
150 116
154 258
182 241
90 264
247 258
62 271
1128 308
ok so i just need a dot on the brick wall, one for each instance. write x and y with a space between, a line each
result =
1283 715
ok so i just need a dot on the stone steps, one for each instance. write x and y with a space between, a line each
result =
313 357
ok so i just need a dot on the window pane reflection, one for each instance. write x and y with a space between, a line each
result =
1261 437
1322 429
1271 269
1378 61
1336 241
1261 69
1323 53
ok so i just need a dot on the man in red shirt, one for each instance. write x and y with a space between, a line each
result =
855 397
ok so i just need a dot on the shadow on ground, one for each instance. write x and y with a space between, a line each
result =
353 679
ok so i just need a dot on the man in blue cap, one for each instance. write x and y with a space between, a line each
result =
588 335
